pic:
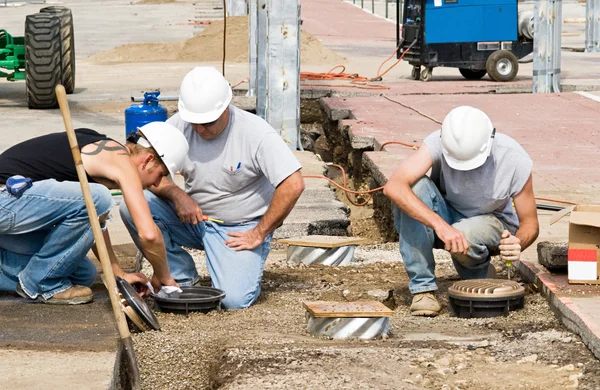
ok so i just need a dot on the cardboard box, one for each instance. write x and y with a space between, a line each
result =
584 243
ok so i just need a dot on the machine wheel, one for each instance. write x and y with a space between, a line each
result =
502 65
67 43
415 74
43 69
472 74
426 74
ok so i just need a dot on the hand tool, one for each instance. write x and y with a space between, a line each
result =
16 185
205 218
126 351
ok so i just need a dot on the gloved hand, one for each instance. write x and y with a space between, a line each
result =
510 247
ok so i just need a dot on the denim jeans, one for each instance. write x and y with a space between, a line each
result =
237 273
483 233
45 236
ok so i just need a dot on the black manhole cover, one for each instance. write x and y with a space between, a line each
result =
136 308
194 298
485 297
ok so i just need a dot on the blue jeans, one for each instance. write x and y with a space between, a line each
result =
237 273
45 236
483 233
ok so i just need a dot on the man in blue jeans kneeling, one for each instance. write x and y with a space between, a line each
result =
238 170
465 206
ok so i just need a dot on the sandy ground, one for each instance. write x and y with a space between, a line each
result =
267 346
208 46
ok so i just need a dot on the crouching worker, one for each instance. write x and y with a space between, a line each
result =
45 233
465 206
239 171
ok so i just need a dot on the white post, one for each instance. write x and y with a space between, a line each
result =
252 46
237 7
283 70
592 26
547 46
261 59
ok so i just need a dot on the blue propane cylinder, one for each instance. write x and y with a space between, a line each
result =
138 115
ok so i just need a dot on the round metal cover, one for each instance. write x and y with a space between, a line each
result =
139 306
485 297
192 298
486 288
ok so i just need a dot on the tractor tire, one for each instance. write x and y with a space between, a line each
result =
43 69
472 74
502 65
68 45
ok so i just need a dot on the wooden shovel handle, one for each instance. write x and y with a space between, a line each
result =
93 215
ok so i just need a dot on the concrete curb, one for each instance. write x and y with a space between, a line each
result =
572 311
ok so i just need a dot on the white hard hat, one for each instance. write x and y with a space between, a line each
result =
203 96
170 144
467 135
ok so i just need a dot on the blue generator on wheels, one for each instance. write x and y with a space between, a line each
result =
475 36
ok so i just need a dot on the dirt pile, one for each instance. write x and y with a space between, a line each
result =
207 46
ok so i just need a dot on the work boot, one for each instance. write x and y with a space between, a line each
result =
72 296
425 304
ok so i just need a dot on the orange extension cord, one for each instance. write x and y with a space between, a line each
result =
356 81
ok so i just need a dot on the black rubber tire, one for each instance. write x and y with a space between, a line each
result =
502 65
426 74
42 59
68 44
472 74
415 74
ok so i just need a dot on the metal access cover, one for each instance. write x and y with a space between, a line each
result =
485 297
136 308
193 298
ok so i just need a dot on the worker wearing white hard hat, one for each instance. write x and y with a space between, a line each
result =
44 248
239 171
465 205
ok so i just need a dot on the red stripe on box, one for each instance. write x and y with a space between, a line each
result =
582 255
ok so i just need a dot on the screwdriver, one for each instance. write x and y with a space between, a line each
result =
207 218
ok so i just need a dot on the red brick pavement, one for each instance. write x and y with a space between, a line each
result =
337 20
559 131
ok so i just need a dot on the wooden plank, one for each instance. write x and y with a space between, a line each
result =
348 309
323 241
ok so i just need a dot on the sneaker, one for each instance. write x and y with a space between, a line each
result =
72 296
425 304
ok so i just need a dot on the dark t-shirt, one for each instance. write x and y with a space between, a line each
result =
46 157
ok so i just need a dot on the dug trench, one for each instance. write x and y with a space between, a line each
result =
267 347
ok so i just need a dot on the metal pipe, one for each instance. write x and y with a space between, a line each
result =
160 98
592 26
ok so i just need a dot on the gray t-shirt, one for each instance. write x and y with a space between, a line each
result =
233 177
488 189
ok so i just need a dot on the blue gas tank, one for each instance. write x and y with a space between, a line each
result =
137 115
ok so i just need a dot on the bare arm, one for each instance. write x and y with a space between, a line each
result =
529 228
132 278
187 209
526 209
111 162
398 189
285 197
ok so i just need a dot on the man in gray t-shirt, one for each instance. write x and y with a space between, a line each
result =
239 171
466 204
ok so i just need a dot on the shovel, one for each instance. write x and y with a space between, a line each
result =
130 374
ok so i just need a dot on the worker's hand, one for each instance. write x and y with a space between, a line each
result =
138 281
188 210
244 240
157 282
510 247
454 240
